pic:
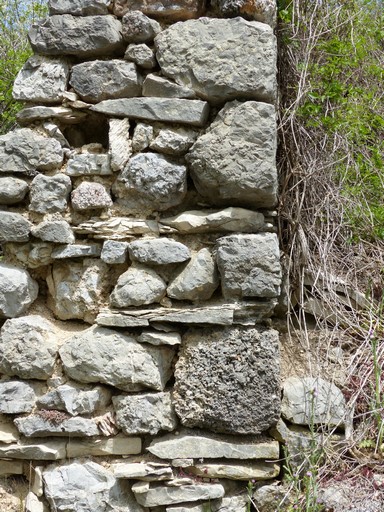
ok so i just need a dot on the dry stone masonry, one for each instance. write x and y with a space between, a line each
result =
138 367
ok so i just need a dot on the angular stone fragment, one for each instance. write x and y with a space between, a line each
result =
220 59
49 193
169 9
227 380
75 400
76 251
65 115
147 413
28 450
161 87
142 471
17 397
249 265
41 80
138 286
158 251
245 471
92 36
261 10
100 80
151 181
142 137
193 112
174 141
8 431
28 347
120 145
113 252
138 28
101 447
14 227
237 503
160 338
141 55
117 360
17 291
118 228
57 231
89 164
36 426
31 255
25 151
10 467
35 504
236 159
79 7
12 190
89 195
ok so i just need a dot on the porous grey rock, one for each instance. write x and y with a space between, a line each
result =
169 110
92 36
75 400
89 164
239 471
158 251
168 9
41 80
136 287
25 151
101 80
151 181
310 400
160 338
227 380
120 145
114 252
28 450
28 347
197 281
147 471
38 426
142 137
141 55
146 413
65 115
56 231
49 194
17 396
174 141
241 64
236 159
79 7
14 227
153 496
138 28
17 291
261 10
12 190
76 251
77 288
249 265
89 195
117 360
161 87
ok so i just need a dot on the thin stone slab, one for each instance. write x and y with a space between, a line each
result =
65 115
169 9
160 338
102 447
27 450
249 471
191 112
89 164
76 251
37 426
161 87
79 7
147 471
118 228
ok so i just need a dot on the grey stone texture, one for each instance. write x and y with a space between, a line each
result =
76 399
141 55
17 291
120 145
12 190
235 161
65 115
114 252
147 471
27 151
56 231
249 265
28 347
31 254
174 141
158 251
89 164
227 380
34 504
236 471
263 10
116 359
136 287
17 396
14 227
161 87
79 7
29 450
101 446
42 80
89 195
138 28
38 426
162 9
160 338
8 431
100 80
92 36
76 251
151 182
49 194
220 59
142 137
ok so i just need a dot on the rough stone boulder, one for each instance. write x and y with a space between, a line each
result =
158 251
136 287
14 227
227 380
89 195
260 10
12 190
49 194
17 397
17 291
138 28
57 231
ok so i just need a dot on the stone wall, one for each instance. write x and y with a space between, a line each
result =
141 264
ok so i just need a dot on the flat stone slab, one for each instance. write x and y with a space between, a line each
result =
102 447
170 9
76 251
27 450
250 471
42 426
149 471
64 114
118 228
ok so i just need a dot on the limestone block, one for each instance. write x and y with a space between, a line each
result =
37 426
114 252
138 28
197 281
237 503
12 190
28 347
35 504
29 450
146 413
120 145
142 137
174 141
141 55
236 159
158 251
17 396
118 228
227 380
17 291
25 151
169 9
99 80
151 181
75 400
220 59
14 227
92 36
101 447
49 193
8 431
138 286
160 338
245 471
41 80
169 110
57 231
161 87
249 265
31 255
147 471
259 10
89 164
11 467
76 251
89 195
117 360
79 7
65 115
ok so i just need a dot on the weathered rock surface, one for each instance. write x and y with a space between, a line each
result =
118 228
49 193
161 87
8 431
89 164
92 36
17 291
160 338
146 471
100 80
11 467
169 9
25 151
245 471
89 195
17 396
120 145
114 252
56 231
29 450
37 426
35 504
236 159
249 265
12 190
262 10
117 360
237 503
136 287
158 251
228 380
41 80
30 255
145 414
142 137
79 7
220 59
14 227
101 447
138 28
75 400
28 347
76 251
141 55
151 181
174 141
65 115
